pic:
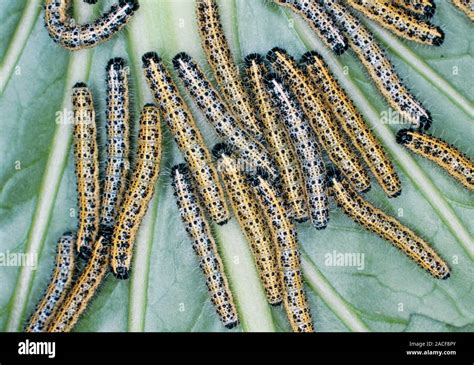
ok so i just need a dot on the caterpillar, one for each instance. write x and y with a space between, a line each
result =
284 233
327 131
204 245
247 212
187 136
426 8
307 148
277 139
320 21
457 164
216 112
352 123
84 288
118 144
86 168
219 56
466 6
387 227
139 192
399 21
379 67
64 30
58 286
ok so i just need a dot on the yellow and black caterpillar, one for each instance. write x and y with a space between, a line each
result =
139 192
204 245
353 124
457 164
187 136
387 227
254 226
64 30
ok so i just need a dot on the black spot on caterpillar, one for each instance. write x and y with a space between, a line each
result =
254 226
187 136
216 112
284 234
219 56
457 164
352 122
424 8
277 139
58 286
64 30
84 289
118 144
86 168
139 193
204 245
399 21
387 227
379 67
307 148
328 132
320 21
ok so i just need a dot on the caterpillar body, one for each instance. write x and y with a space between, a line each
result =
64 30
353 124
330 136
387 227
58 285
320 21
187 136
466 6
424 8
284 234
304 140
84 289
118 144
247 212
217 113
139 193
457 164
399 21
204 245
277 140
86 168
379 67
219 56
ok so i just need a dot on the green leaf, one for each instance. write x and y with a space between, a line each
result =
166 291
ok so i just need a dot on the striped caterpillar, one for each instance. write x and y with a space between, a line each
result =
352 123
314 13
387 227
187 136
204 245
216 112
379 67
330 136
457 164
86 168
424 8
118 144
59 284
64 30
277 139
219 56
466 6
247 212
304 140
284 234
84 289
140 191
399 21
